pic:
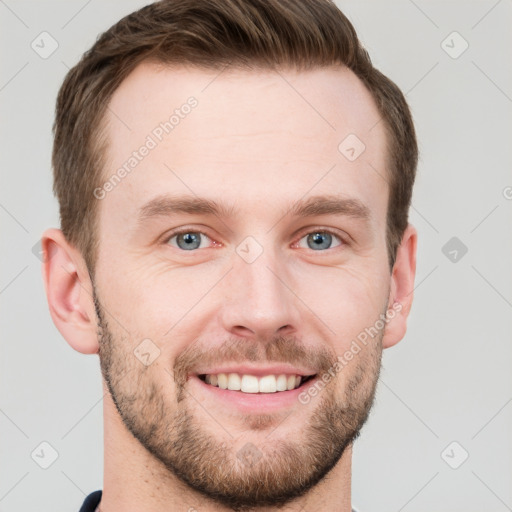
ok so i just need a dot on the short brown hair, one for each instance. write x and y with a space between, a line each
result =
270 34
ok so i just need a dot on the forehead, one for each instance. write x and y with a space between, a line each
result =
250 136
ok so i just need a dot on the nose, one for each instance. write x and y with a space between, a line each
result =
259 300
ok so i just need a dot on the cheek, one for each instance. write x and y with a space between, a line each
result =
162 303
347 300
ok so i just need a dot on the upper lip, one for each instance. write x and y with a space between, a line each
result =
258 371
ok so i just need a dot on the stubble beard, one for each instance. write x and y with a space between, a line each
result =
269 472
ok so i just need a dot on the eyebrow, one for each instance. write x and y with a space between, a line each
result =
169 205
330 205
314 206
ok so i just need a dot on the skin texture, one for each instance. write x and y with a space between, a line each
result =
256 142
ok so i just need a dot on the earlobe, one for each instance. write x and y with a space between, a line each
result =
69 292
401 289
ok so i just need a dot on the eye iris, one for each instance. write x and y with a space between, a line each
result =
319 241
188 241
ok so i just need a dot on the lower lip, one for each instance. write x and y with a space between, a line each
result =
251 402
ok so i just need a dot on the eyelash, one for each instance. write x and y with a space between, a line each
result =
180 231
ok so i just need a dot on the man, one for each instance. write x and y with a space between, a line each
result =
234 180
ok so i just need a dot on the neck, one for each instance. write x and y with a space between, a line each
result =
134 480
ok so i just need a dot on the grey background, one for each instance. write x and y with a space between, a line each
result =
448 380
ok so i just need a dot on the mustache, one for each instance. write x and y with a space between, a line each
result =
279 349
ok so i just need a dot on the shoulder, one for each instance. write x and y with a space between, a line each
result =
91 502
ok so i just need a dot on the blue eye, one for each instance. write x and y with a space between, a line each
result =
318 240
187 240
192 240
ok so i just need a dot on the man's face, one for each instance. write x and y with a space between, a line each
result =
272 283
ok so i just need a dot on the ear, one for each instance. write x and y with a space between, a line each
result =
69 292
401 289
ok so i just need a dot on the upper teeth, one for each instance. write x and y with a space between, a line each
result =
253 384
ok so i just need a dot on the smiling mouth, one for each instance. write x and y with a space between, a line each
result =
256 385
